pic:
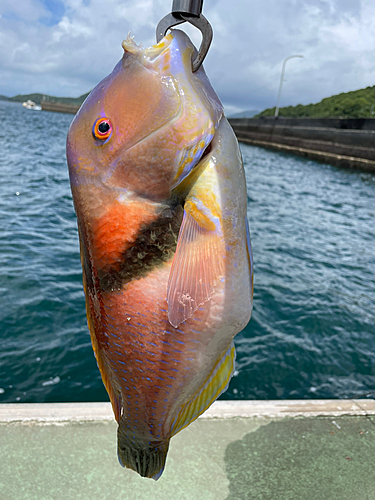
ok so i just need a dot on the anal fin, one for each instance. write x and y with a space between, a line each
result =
215 385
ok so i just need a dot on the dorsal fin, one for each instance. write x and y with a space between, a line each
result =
114 395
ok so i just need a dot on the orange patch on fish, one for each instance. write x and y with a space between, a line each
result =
116 230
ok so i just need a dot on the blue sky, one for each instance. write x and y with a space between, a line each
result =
56 10
65 47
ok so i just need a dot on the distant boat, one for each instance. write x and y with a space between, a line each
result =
31 105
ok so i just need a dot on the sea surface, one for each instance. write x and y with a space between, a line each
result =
312 333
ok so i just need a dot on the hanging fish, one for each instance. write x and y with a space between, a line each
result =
160 196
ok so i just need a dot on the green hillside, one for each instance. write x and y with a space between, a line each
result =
355 104
38 97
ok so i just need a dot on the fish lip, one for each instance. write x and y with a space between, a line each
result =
150 53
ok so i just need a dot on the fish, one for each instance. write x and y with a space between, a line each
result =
160 195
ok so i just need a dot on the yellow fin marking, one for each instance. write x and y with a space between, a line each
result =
216 383
208 198
201 219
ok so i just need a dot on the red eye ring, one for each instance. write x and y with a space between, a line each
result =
102 129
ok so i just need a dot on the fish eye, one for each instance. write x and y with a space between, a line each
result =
102 129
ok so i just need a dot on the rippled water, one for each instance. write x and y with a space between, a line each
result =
312 225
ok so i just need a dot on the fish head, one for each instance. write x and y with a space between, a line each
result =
146 125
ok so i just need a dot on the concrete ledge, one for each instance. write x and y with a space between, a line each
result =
314 144
342 142
60 107
322 156
283 121
87 412
239 450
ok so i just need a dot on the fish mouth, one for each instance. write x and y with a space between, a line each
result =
152 52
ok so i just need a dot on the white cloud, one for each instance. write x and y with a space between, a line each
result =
26 10
251 39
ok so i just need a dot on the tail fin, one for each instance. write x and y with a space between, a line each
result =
145 457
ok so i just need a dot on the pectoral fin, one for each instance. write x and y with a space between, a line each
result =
197 267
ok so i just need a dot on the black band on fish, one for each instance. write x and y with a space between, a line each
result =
155 243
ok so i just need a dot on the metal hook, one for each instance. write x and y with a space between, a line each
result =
188 11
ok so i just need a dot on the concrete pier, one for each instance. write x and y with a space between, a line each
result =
60 107
268 450
338 141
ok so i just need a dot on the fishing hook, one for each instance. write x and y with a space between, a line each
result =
188 11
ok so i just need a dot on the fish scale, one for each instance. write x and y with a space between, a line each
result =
166 256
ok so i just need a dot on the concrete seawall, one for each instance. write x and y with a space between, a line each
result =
59 107
339 141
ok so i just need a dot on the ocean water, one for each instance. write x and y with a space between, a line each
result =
312 333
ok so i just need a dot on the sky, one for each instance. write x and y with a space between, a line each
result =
65 47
